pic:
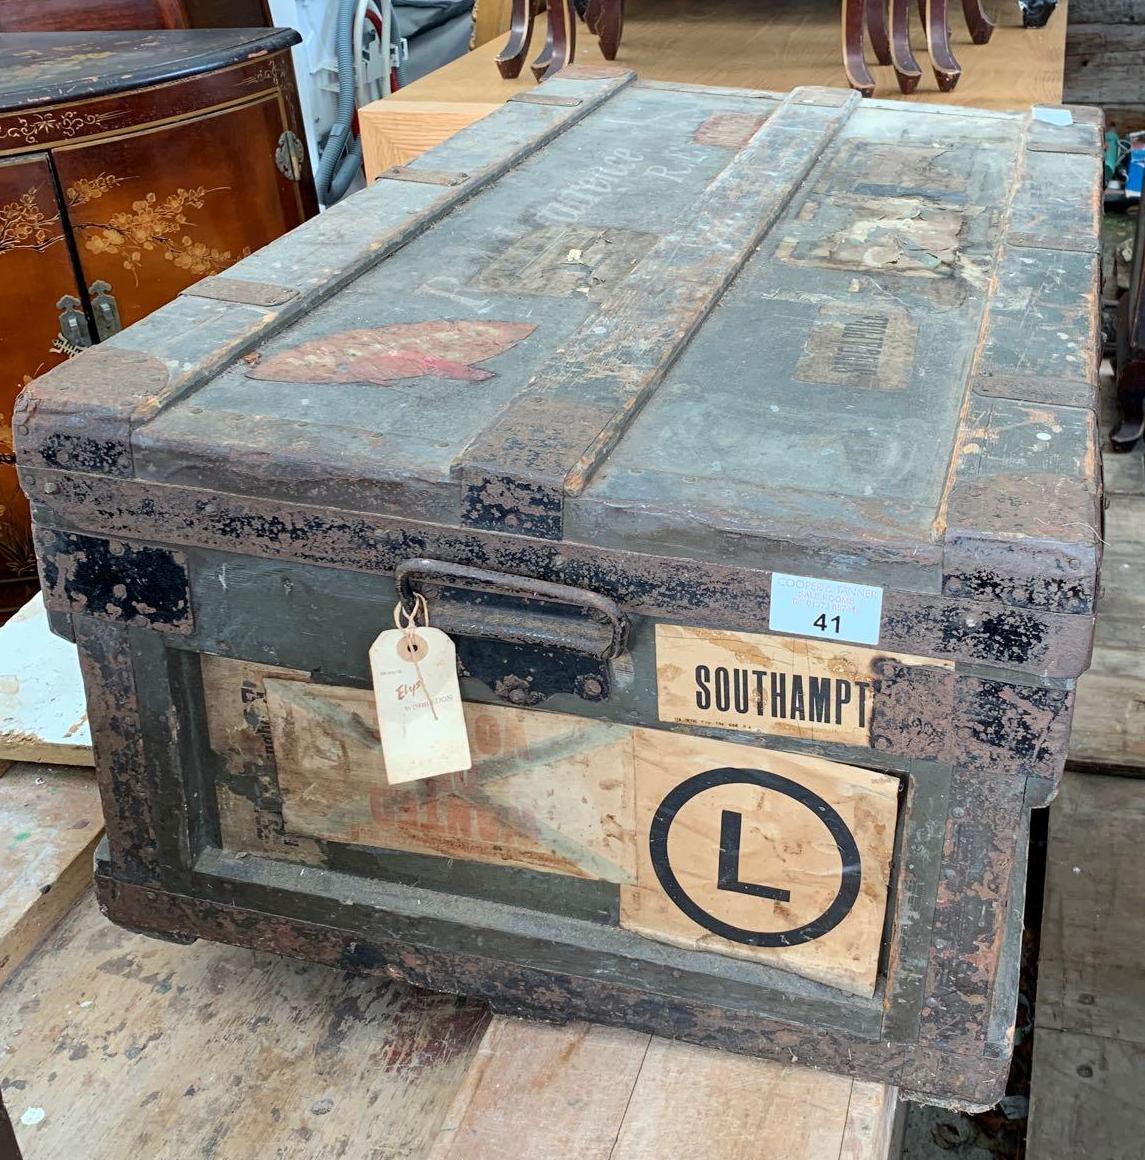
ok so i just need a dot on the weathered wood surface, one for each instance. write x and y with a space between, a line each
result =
1103 64
43 714
761 683
601 448
547 791
1106 12
227 1051
118 1045
1093 927
777 840
603 1094
1087 1098
143 1048
1109 716
50 822
1088 1094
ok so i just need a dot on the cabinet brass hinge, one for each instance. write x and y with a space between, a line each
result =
74 332
289 156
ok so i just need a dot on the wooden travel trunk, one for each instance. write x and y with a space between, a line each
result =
743 443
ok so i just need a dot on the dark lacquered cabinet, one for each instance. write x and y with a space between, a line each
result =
108 15
131 166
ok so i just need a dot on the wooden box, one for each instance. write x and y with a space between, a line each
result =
745 446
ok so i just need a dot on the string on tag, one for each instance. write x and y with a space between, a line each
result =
412 648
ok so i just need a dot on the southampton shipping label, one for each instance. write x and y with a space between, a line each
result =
768 684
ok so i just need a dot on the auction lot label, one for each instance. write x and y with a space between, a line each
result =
825 609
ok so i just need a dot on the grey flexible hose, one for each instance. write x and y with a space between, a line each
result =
347 171
328 162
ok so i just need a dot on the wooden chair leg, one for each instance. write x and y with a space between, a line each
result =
592 15
512 56
1129 362
907 70
947 70
854 62
560 45
877 27
980 25
609 25
564 34
540 66
1131 405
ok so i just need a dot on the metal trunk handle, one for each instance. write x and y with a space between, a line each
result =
597 627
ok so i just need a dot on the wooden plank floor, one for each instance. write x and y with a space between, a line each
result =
1109 719
601 1093
115 1045
50 822
1088 1092
755 44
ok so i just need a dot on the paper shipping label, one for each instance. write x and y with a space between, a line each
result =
768 684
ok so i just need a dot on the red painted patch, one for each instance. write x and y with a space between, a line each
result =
443 349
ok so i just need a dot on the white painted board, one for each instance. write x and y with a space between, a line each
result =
43 711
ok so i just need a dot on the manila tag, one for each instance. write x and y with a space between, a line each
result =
420 715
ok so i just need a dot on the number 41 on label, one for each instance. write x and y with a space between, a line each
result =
827 609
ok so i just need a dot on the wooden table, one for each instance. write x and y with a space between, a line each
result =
1109 715
139 1048
1089 1037
757 44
